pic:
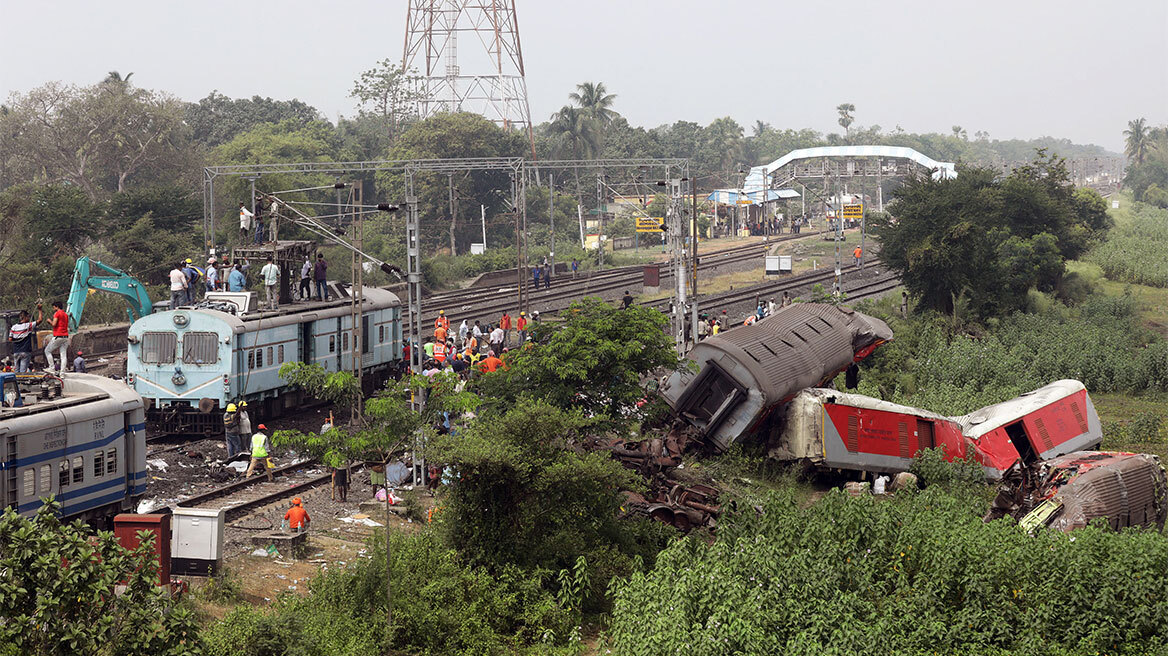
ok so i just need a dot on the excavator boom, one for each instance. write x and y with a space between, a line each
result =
115 282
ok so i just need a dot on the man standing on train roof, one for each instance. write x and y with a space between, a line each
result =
79 363
231 431
259 453
320 275
297 517
442 321
245 220
178 287
235 280
505 324
212 276
22 334
60 339
306 279
258 233
192 275
271 276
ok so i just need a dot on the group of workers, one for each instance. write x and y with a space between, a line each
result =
22 336
237 429
472 347
185 278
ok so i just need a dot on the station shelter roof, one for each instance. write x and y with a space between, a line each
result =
732 196
755 179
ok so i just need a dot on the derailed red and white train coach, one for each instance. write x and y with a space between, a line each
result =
838 430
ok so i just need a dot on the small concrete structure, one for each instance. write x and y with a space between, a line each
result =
288 544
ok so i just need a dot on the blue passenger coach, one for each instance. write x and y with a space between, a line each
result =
79 438
189 363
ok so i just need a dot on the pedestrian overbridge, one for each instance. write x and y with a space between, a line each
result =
847 162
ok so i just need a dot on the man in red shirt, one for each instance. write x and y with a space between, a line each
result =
505 324
522 326
297 517
60 339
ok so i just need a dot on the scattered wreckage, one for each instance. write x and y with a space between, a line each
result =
1073 490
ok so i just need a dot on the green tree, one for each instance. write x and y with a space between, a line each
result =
594 361
217 119
66 591
1137 140
387 425
986 239
388 95
845 117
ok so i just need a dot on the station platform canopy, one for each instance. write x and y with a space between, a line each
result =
732 196
756 178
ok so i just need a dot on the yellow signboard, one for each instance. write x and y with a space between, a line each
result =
853 211
745 202
649 223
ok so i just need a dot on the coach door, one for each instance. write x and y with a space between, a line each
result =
126 458
366 346
9 498
306 342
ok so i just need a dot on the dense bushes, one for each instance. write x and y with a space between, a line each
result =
1099 343
1137 251
440 607
916 574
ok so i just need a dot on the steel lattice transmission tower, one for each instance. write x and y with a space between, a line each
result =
496 88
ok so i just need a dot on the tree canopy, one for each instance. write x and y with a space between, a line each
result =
987 239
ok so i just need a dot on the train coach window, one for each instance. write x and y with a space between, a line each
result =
46 479
30 482
332 343
63 475
111 461
281 354
200 348
251 359
158 348
78 469
380 334
259 358
99 464
270 358
345 342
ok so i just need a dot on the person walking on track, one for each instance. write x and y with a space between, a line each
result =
259 453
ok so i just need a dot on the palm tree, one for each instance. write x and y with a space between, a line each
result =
845 117
575 136
595 100
760 128
1138 141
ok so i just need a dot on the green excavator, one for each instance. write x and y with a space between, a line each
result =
114 281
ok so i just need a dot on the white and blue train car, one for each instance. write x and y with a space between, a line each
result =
190 363
80 439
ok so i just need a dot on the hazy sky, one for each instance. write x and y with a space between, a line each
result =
1025 68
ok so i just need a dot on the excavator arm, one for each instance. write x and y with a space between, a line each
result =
116 282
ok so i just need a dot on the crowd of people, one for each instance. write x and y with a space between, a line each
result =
473 347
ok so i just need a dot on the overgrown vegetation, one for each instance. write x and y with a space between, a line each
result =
1136 250
916 574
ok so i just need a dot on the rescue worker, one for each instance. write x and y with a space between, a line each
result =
79 364
244 425
259 454
231 431
490 363
547 275
856 256
60 340
22 335
442 321
522 326
428 348
703 327
306 279
439 334
212 278
192 275
505 324
271 277
297 517
235 280
496 339
439 353
245 220
178 287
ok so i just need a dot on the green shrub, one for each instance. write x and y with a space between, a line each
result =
1137 251
915 574
931 468
440 606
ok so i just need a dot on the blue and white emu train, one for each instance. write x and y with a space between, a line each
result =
79 438
189 363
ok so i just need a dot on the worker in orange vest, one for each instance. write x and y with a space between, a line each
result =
856 255
505 324
439 351
490 363
439 334
522 326
442 321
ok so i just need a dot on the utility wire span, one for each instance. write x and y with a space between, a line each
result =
290 191
311 224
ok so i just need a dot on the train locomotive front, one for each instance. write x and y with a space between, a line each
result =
190 363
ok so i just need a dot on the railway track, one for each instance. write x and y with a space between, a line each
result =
246 494
499 299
